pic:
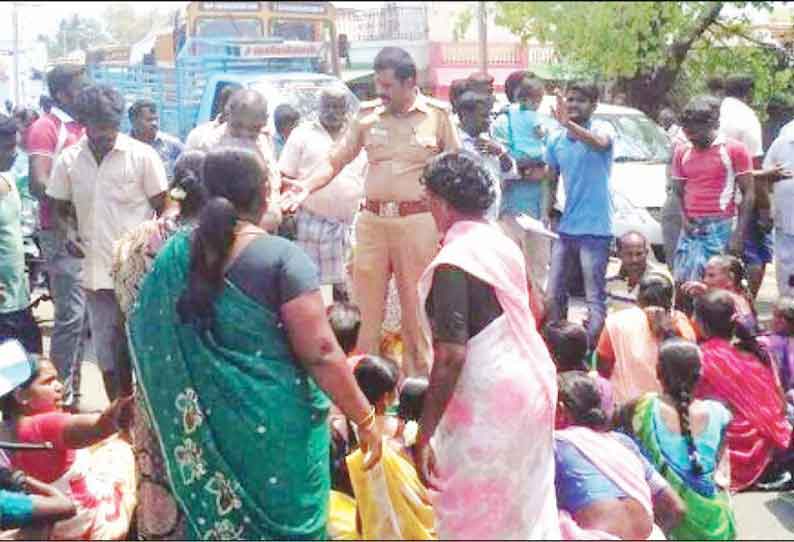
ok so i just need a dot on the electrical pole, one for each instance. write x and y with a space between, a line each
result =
15 23
483 17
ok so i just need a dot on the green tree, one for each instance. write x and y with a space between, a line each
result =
75 32
127 26
649 49
461 24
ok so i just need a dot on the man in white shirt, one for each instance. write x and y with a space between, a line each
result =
201 132
738 121
778 165
474 129
109 183
324 221
246 121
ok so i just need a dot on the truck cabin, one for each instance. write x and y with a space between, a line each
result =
307 25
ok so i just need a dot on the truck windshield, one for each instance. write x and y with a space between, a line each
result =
293 30
229 28
302 94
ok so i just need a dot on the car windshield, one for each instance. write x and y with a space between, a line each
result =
302 94
639 139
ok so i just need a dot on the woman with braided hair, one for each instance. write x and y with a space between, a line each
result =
742 376
628 348
684 438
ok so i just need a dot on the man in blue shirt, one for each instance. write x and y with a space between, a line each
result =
523 130
582 154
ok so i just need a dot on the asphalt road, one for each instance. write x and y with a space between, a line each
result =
760 516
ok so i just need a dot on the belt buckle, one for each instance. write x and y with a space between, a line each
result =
389 209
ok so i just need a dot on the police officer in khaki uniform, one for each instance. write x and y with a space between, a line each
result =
395 232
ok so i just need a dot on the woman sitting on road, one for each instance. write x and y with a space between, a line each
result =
686 442
727 273
605 487
743 378
88 463
628 349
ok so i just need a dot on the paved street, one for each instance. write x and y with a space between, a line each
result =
760 516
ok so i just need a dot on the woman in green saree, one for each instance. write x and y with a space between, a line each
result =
234 358
685 440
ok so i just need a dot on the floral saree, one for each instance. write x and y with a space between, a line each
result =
241 425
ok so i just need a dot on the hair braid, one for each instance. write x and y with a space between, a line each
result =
682 402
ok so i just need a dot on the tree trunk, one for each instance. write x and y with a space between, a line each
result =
648 90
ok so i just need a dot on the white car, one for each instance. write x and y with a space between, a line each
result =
639 173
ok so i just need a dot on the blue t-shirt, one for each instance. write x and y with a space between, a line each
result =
517 129
579 483
585 173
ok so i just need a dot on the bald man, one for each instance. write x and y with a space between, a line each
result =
246 121
324 221
633 252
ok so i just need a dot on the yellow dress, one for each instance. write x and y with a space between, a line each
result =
392 502
342 517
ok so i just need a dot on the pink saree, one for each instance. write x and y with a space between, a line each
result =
617 463
494 444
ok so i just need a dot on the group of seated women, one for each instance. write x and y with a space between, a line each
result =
705 396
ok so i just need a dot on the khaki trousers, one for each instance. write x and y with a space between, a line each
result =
404 246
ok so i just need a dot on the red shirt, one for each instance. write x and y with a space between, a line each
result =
44 138
46 465
709 176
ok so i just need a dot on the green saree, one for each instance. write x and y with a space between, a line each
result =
706 518
241 425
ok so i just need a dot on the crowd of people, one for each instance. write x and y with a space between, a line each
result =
238 293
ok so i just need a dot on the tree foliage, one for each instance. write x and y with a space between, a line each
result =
120 24
652 50
75 32
127 26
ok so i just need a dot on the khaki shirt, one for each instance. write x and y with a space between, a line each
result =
398 147
111 199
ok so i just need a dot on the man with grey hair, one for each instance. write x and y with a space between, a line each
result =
324 221
109 183
246 124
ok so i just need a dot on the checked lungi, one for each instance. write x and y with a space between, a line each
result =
326 241
707 237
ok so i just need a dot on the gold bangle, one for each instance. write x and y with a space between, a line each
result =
368 420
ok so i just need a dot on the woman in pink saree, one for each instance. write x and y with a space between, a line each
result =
486 433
